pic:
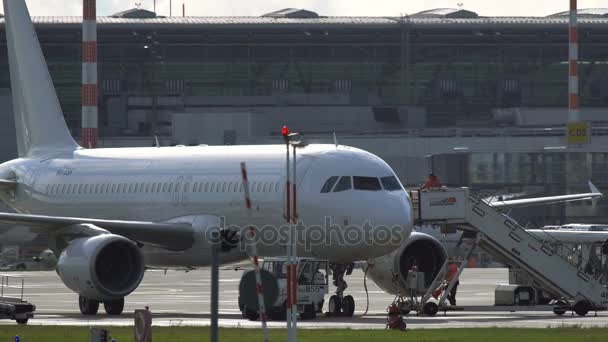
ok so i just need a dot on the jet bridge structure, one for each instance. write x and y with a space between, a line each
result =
501 235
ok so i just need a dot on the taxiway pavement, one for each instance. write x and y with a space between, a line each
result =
179 298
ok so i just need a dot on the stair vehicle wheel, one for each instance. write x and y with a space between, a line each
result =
335 305
348 306
430 309
88 307
250 314
114 307
22 321
582 308
560 311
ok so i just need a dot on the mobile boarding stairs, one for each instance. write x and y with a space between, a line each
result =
501 235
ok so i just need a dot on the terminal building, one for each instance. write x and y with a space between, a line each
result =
486 96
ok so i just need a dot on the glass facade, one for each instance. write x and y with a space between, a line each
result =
457 72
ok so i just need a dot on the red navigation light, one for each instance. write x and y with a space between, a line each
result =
285 131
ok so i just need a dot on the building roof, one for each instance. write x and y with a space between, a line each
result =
446 13
295 18
585 12
135 13
292 13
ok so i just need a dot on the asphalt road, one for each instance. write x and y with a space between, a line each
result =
179 298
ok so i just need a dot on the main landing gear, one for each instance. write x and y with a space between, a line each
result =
89 307
339 304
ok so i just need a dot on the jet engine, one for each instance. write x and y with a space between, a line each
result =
102 267
390 272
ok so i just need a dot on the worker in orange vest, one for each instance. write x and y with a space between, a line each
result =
452 273
432 182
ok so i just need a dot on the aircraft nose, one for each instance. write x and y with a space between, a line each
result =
397 211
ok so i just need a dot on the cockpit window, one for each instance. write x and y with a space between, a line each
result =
367 183
343 184
391 183
329 184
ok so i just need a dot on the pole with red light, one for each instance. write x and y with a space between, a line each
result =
294 243
289 266
89 74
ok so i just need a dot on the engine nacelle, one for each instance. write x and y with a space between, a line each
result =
103 267
389 272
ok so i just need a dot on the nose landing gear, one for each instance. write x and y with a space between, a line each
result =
340 305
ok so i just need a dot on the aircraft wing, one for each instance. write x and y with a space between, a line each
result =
172 236
594 194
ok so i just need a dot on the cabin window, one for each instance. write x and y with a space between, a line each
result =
329 184
186 187
344 184
265 188
170 187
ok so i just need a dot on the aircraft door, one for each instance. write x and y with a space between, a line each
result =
177 191
186 190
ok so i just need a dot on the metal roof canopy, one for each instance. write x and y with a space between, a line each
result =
445 13
292 13
135 13
589 12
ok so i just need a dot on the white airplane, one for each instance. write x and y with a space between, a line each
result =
110 213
